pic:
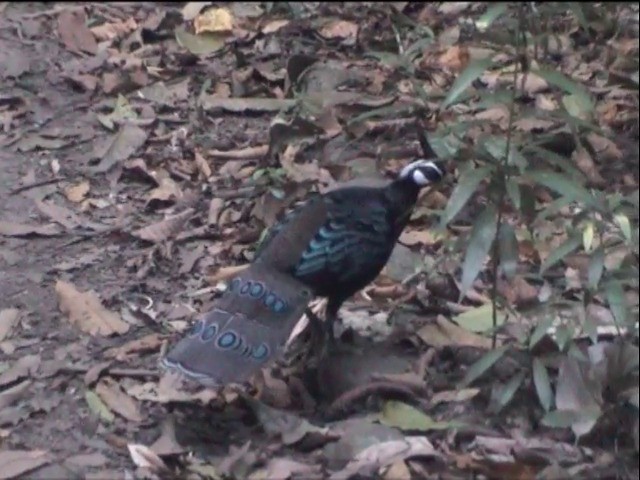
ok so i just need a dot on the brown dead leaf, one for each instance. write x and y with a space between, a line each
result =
443 333
285 468
168 390
73 31
212 103
340 29
415 237
167 191
455 58
148 343
215 20
118 401
59 214
167 444
517 291
119 147
85 310
448 396
9 229
203 166
9 318
164 229
18 462
77 193
274 25
111 31
302 172
144 457
587 166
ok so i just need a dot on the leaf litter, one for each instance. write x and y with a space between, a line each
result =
156 131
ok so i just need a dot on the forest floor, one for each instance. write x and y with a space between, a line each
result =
135 176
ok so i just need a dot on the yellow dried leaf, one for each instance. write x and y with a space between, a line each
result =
76 193
214 20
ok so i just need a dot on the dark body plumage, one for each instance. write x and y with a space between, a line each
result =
331 246
337 243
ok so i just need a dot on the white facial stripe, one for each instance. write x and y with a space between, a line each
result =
419 178
412 170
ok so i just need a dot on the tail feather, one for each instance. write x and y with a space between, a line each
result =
246 329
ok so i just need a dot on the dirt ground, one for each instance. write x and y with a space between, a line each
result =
47 365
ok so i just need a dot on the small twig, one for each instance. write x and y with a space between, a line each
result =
35 184
116 372
350 397
242 154
504 178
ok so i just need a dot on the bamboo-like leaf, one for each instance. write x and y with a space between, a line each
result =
482 236
617 302
508 250
563 185
482 365
466 78
625 227
569 245
467 185
509 390
560 80
513 190
491 15
542 384
596 267
540 331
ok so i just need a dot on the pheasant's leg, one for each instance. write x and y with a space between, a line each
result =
316 325
330 317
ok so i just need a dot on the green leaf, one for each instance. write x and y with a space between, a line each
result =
617 302
513 190
569 245
466 78
405 417
491 15
540 331
497 148
542 384
579 106
508 250
596 267
563 185
623 223
482 365
98 407
467 185
479 319
482 236
503 394
560 80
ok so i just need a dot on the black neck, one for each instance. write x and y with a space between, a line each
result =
402 194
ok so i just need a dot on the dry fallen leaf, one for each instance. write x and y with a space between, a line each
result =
144 457
443 333
85 310
164 229
118 401
8 319
340 29
9 229
76 193
110 31
214 20
73 31
18 462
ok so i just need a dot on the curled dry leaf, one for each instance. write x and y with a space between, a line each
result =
9 229
148 343
76 193
144 457
84 310
165 229
224 273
